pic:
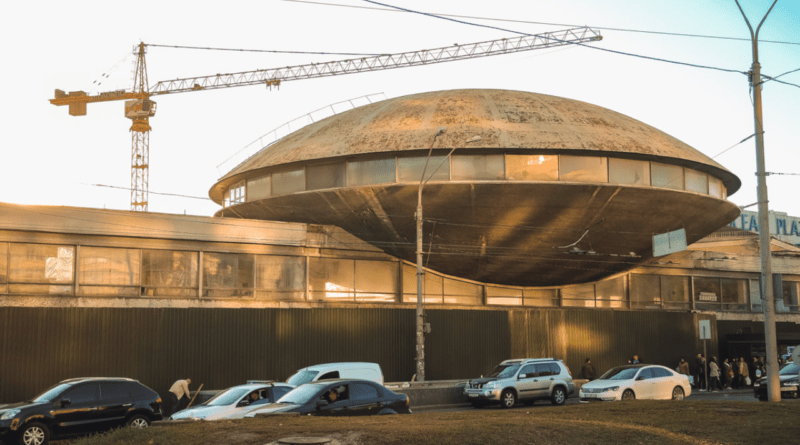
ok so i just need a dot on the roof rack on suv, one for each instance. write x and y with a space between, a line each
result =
265 382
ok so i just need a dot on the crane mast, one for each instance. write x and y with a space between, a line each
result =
139 108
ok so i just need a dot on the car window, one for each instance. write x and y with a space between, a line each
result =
227 397
543 369
139 391
504 371
790 369
554 369
85 393
301 394
646 373
279 391
114 391
336 393
329 375
619 374
302 377
52 392
363 391
661 372
529 371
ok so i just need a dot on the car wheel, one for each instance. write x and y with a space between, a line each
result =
138 421
508 399
559 397
628 395
34 433
677 393
478 405
386 411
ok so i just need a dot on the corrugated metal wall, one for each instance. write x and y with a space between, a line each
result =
225 347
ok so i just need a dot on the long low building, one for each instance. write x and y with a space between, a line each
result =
223 300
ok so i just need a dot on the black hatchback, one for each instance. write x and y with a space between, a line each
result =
79 406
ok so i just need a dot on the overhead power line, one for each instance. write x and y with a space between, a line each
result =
658 59
529 22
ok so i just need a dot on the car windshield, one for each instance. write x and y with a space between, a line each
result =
301 394
51 393
227 397
790 369
504 371
302 377
619 374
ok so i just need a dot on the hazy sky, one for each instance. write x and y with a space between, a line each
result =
52 158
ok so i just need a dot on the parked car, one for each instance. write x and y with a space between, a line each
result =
344 370
789 376
235 402
526 380
79 406
637 382
339 397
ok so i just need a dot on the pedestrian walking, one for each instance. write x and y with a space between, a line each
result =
587 370
683 367
744 373
179 396
713 375
727 374
700 372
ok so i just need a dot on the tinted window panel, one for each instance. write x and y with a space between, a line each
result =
647 373
325 176
410 169
696 181
532 168
371 172
85 393
529 370
627 171
583 168
667 176
279 391
478 167
715 187
287 182
543 369
661 372
362 391
259 188
114 391
554 369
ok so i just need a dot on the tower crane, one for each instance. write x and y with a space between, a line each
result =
140 108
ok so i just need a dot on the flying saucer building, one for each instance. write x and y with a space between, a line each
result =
538 233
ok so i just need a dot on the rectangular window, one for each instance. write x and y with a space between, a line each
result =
331 279
627 171
478 167
462 292
328 176
259 188
41 269
611 293
581 295
791 295
645 291
228 275
287 182
432 286
583 168
696 181
280 277
503 296
531 168
3 262
541 297
376 281
706 293
666 175
715 187
379 171
755 296
675 292
410 169
236 194
109 271
167 273
733 294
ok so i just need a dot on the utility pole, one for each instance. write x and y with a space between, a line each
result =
767 300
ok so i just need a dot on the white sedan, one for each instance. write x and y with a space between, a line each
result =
637 382
235 402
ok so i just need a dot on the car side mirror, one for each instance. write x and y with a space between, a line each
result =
523 376
322 402
65 402
641 377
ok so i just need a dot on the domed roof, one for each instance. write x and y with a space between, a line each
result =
503 119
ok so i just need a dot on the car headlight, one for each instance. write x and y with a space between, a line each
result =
611 388
490 385
10 414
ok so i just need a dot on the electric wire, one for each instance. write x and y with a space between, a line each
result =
528 22
657 59
264 50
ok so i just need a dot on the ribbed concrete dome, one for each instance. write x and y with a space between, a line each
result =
502 118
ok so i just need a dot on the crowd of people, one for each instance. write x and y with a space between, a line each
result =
729 374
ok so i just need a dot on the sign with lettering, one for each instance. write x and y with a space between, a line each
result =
704 328
707 296
784 227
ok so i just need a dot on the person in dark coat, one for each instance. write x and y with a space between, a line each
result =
727 374
587 370
683 367
700 372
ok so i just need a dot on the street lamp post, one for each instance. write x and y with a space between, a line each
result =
767 301
420 331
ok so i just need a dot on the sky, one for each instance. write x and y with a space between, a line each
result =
52 158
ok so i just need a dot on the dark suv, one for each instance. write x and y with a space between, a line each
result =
79 406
